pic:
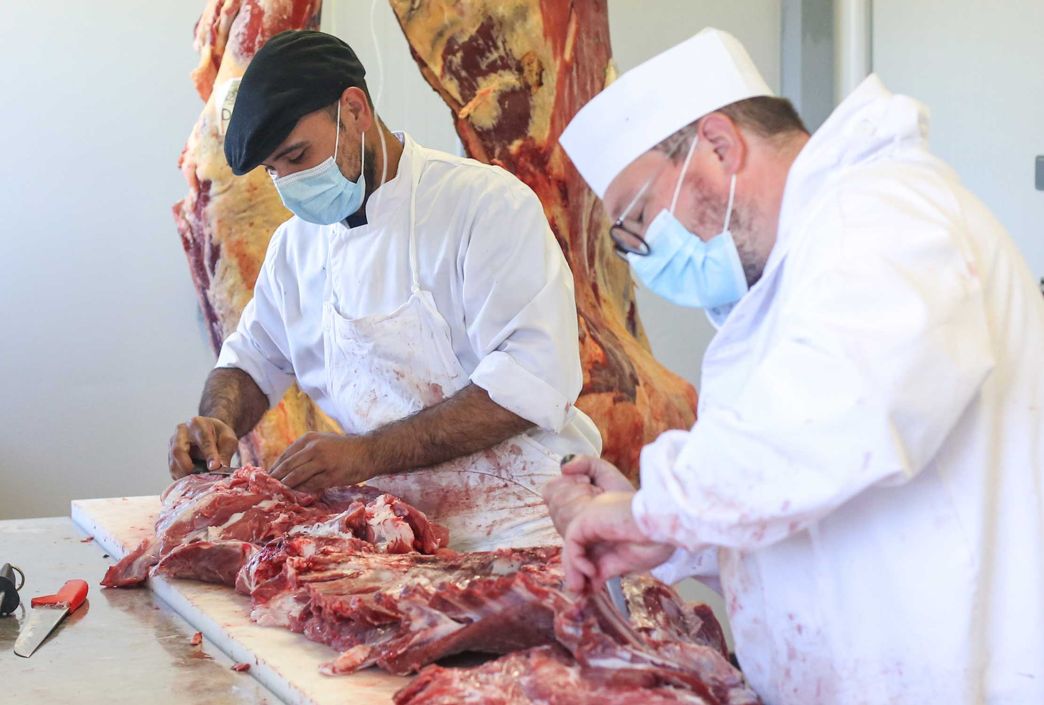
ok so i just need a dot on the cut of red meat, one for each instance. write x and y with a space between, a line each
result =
656 612
546 675
206 519
208 561
402 611
365 573
665 653
649 651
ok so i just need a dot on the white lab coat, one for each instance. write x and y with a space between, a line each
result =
867 467
491 263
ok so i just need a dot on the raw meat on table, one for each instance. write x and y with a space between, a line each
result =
546 675
666 652
401 612
366 574
211 524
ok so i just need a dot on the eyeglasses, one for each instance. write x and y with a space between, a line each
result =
626 241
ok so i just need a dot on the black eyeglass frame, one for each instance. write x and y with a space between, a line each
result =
619 233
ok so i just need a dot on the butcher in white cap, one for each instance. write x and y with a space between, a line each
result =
866 475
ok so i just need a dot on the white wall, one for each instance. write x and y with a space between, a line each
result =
103 351
979 67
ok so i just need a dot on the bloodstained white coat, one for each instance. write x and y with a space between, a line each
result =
866 472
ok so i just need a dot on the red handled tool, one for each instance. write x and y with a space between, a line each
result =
48 611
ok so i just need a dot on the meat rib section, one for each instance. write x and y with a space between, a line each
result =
601 657
401 612
513 73
225 222
210 525
367 574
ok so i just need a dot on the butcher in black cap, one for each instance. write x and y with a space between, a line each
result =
419 298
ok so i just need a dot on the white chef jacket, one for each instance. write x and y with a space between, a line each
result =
868 464
488 256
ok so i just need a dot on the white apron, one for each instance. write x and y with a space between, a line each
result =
383 368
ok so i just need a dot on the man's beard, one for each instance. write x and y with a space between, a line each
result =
743 236
712 206
369 170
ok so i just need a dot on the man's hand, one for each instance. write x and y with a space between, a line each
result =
603 541
316 461
583 478
600 473
565 497
201 438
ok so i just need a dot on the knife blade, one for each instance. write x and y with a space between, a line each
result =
616 595
48 611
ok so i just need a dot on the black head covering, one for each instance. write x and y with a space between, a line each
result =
297 72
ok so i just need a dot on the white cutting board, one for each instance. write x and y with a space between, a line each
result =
286 663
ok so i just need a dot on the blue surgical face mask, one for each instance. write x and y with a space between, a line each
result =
322 194
686 270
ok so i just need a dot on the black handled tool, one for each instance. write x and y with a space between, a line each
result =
199 467
9 588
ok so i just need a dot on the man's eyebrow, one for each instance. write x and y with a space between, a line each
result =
286 150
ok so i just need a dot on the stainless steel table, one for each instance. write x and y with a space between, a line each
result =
121 646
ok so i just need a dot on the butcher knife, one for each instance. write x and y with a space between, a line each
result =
48 611
616 595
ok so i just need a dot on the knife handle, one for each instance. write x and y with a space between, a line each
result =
72 595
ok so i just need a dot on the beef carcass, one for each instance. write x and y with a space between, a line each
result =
513 73
210 525
225 222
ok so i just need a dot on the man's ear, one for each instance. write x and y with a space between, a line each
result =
726 140
355 106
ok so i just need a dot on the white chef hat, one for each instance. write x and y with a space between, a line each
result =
656 99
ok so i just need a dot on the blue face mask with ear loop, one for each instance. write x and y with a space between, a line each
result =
322 195
686 270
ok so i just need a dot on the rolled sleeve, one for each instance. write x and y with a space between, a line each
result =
518 390
520 310
259 345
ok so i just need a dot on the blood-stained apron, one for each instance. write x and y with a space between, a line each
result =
383 368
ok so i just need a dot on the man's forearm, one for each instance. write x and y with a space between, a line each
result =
233 396
466 423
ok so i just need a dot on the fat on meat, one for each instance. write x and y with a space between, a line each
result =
210 525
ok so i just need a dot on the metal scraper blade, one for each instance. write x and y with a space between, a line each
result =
42 620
